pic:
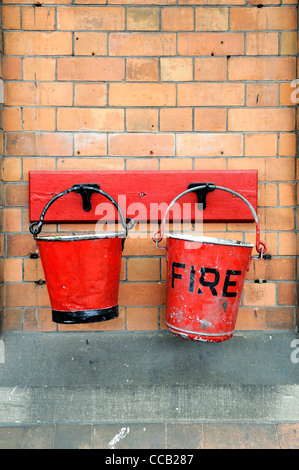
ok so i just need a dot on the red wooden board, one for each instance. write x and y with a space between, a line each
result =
139 193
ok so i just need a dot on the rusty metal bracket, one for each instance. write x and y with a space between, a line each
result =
202 193
86 192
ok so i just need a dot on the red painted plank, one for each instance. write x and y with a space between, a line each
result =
140 193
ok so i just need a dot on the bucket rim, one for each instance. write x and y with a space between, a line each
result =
79 237
209 240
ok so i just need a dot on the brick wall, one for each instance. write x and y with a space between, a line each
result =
148 85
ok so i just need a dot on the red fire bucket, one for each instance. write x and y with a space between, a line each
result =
205 278
82 272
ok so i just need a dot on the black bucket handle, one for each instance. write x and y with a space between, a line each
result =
260 246
82 189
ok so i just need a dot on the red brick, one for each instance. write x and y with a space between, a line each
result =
141 145
41 144
142 69
142 44
26 295
90 119
90 69
141 120
12 68
144 318
260 145
38 18
210 94
39 119
142 19
210 119
143 269
261 119
199 145
210 69
175 69
262 94
90 43
177 19
262 43
11 17
91 18
142 293
142 94
90 144
262 68
267 18
87 94
260 294
43 94
39 68
211 19
175 119
37 43
210 43
38 319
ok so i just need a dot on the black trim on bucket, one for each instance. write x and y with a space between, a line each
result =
85 316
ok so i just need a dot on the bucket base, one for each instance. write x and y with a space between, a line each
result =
85 316
198 336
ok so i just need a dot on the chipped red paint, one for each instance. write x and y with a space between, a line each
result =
204 286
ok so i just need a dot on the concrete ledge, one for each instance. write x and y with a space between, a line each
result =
102 377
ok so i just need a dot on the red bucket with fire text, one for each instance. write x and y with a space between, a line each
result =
205 279
82 272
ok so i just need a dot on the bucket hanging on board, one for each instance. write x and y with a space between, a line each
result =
82 272
205 278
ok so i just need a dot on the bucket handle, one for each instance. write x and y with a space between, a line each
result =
78 189
260 246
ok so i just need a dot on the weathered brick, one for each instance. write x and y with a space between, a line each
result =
267 18
262 94
29 43
176 69
90 18
210 94
261 68
211 19
198 145
90 144
210 69
258 119
175 119
41 144
177 19
262 43
210 44
141 120
90 43
210 119
38 18
142 19
11 17
90 119
95 69
39 68
142 44
142 94
142 69
141 145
